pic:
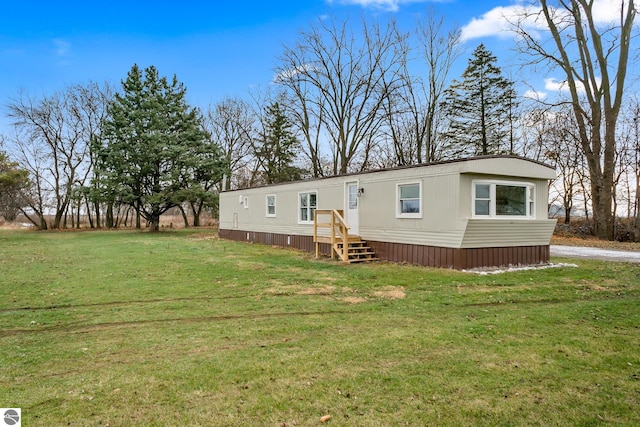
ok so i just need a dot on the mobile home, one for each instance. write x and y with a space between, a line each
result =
479 212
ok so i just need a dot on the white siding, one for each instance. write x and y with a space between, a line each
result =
481 233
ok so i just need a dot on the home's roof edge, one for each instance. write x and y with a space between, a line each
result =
419 165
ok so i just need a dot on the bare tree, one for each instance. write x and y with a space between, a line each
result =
52 140
87 108
594 60
563 150
534 143
628 161
33 156
635 162
440 51
340 83
231 124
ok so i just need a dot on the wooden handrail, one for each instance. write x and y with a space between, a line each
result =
339 232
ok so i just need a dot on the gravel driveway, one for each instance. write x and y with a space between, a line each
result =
594 253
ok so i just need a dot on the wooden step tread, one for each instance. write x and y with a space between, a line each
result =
361 253
355 260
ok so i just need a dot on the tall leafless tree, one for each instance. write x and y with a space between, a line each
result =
339 82
52 140
628 170
440 52
563 150
594 59
231 124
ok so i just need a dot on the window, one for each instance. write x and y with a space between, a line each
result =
353 196
503 199
307 206
483 199
271 205
409 198
245 202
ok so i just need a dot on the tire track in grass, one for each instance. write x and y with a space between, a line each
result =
116 303
107 325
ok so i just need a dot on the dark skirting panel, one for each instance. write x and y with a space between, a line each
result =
431 256
304 243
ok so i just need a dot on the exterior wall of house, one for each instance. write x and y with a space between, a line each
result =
445 229
484 232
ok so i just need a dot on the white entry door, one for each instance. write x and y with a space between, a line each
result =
351 207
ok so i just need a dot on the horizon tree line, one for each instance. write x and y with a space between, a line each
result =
347 98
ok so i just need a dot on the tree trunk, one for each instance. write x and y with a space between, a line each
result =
109 216
96 206
567 214
636 228
601 197
184 216
138 218
40 223
154 222
89 216
196 212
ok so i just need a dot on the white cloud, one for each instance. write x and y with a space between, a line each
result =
61 47
552 84
498 21
535 95
289 74
387 5
607 11
555 85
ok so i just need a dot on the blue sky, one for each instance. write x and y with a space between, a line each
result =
216 48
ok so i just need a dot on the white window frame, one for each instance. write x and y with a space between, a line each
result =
529 202
399 213
268 214
245 202
309 213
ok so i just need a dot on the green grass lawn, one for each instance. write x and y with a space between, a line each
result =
181 328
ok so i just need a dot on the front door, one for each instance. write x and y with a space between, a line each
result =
351 208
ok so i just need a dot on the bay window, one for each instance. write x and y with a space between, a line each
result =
503 199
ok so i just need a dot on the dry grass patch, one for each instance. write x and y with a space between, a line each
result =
391 292
318 290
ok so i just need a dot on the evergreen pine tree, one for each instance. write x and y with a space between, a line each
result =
480 109
277 147
152 150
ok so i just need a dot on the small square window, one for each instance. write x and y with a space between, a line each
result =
409 200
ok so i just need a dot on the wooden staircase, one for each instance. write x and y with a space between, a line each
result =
348 248
357 251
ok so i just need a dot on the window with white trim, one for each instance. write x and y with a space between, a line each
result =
307 203
409 200
245 202
503 199
271 205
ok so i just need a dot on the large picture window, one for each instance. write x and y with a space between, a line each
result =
307 206
409 200
498 199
